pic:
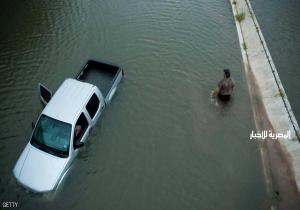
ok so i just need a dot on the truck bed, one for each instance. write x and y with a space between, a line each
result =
105 76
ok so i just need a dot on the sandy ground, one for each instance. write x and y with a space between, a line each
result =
281 186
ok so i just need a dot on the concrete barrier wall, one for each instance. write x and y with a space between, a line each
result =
257 57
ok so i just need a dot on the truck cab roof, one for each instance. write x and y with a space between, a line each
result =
68 101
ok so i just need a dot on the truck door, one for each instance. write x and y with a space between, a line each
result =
45 94
81 131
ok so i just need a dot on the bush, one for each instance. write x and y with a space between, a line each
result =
240 17
245 46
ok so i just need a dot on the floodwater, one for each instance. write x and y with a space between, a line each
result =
279 22
162 143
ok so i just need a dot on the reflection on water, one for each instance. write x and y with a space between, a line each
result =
160 144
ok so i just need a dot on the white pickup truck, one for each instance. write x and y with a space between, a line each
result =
64 125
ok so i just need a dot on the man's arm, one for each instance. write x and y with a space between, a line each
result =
215 91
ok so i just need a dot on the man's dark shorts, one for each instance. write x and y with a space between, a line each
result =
224 97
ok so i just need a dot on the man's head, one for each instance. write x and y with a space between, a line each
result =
226 73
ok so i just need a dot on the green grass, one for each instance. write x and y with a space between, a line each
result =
297 135
280 93
245 46
240 16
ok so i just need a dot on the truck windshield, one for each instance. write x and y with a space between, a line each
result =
52 136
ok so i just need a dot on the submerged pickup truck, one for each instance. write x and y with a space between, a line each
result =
64 125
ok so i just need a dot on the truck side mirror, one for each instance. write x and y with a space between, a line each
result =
32 125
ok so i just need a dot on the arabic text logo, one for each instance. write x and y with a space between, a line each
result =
264 134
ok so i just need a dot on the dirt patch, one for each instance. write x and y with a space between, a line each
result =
280 180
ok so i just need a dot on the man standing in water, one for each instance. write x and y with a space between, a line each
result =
225 87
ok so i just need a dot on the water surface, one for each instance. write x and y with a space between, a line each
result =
162 143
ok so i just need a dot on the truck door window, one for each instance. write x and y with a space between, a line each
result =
80 128
93 105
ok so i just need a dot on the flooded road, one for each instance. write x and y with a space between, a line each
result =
162 143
